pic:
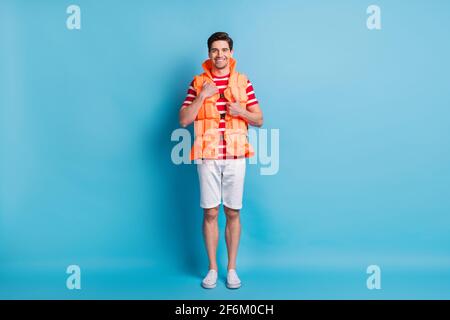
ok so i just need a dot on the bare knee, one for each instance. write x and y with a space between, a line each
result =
231 214
211 214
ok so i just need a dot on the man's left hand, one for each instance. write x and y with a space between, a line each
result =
234 109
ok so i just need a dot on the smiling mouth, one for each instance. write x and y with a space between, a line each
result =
220 60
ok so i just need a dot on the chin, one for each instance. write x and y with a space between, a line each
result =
221 66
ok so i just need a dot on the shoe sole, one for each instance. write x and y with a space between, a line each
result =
209 286
233 286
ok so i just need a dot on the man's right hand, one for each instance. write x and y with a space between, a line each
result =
208 90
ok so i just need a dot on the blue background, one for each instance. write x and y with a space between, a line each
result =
86 176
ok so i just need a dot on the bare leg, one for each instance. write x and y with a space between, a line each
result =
232 235
211 234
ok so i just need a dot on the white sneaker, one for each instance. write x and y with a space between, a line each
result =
210 281
233 281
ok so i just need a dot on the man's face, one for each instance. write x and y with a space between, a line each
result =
220 54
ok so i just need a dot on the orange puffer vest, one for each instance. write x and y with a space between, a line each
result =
206 124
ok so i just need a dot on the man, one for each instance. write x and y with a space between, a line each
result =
221 103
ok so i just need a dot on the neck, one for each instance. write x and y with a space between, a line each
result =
221 72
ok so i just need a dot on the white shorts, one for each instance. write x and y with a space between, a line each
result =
221 180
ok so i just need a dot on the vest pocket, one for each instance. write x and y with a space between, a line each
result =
236 142
206 140
211 145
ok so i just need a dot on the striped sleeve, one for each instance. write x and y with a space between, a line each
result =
251 94
190 96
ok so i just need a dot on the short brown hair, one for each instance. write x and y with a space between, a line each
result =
220 36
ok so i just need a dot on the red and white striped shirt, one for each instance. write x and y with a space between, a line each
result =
221 84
